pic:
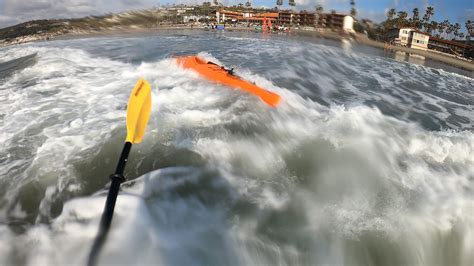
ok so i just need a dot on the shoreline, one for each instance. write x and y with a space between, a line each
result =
439 57
357 38
362 39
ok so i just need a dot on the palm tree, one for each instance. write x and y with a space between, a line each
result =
433 26
292 3
353 10
444 27
416 18
401 20
470 28
319 10
388 24
416 14
428 13
248 4
470 31
279 3
441 27
391 13
449 29
457 28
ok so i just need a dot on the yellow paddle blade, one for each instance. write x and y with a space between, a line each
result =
138 111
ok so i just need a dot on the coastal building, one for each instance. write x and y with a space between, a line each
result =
335 21
419 40
304 18
408 37
331 20
450 47
348 24
268 16
245 17
288 17
195 18
224 16
285 17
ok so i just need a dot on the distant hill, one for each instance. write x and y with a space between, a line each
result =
43 29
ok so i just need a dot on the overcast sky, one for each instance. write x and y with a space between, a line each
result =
16 11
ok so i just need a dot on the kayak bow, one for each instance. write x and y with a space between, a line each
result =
218 74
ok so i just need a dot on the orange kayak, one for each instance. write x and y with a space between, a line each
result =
218 74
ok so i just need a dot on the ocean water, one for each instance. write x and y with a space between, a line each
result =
368 160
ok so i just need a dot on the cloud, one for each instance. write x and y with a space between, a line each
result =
468 14
376 16
394 3
16 11
324 3
6 20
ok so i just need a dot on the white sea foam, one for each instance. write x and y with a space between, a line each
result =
299 184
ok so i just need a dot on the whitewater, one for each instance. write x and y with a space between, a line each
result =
368 160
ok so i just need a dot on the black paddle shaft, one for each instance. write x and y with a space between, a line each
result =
108 213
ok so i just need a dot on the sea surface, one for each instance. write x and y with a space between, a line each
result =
368 160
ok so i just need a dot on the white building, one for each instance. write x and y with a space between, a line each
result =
195 18
403 36
348 24
420 40
412 38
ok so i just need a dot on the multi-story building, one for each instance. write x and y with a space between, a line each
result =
419 40
324 20
245 17
409 37
224 15
288 17
331 20
305 18
334 20
450 47
285 17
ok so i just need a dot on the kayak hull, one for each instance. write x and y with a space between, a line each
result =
218 74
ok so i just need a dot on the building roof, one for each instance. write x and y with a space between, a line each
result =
421 32
337 14
462 45
230 12
412 29
267 15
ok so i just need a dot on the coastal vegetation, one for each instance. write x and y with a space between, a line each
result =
444 29
51 27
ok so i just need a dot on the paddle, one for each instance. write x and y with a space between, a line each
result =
138 112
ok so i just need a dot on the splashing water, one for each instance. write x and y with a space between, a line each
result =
366 161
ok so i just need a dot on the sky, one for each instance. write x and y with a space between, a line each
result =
17 11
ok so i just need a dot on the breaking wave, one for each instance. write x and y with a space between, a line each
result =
358 165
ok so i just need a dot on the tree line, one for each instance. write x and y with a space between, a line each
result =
443 30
